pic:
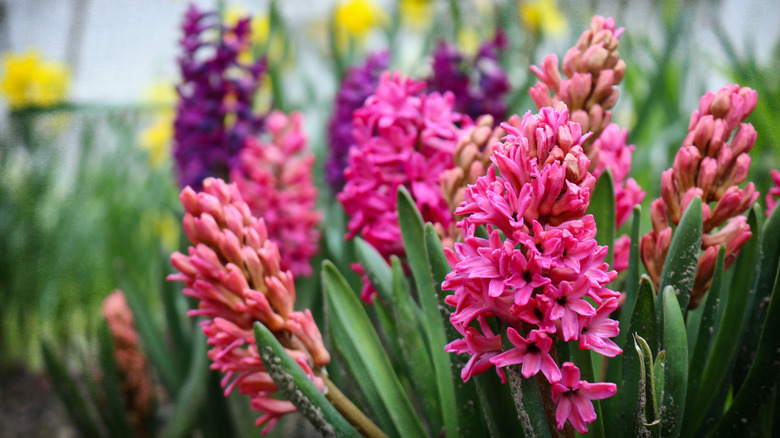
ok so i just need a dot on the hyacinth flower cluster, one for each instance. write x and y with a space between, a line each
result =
539 272
234 272
403 137
774 192
593 69
479 84
134 384
275 178
359 82
710 167
214 114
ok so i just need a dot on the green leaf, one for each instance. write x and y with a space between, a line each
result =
725 345
676 367
703 341
296 386
602 207
413 236
632 277
529 403
352 327
153 346
767 262
376 268
69 393
193 392
497 404
643 323
683 257
413 347
470 416
114 414
659 366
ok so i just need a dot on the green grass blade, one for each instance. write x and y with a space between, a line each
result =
193 392
296 386
71 397
683 257
412 343
726 342
413 236
602 207
761 378
676 367
115 416
355 326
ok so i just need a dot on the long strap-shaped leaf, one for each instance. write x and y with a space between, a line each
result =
683 257
413 236
356 329
602 207
471 420
298 388
676 367
726 343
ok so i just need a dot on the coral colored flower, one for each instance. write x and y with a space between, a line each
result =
275 178
29 81
710 167
540 271
479 84
214 115
403 137
574 398
134 384
233 270
358 83
774 193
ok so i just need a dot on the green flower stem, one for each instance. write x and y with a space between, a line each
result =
351 413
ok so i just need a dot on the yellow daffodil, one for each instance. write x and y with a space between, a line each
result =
357 17
156 140
468 41
30 81
542 16
416 13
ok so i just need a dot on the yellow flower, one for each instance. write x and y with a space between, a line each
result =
160 93
29 81
357 17
468 41
156 140
416 12
542 16
164 228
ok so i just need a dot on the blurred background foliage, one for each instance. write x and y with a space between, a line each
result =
88 201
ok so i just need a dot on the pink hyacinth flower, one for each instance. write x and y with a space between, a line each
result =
275 178
774 193
574 398
533 353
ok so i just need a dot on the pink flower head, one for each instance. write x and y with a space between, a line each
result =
774 192
574 398
275 178
710 164
403 137
593 68
540 270
234 271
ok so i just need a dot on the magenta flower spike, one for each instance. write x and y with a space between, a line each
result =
540 271
275 178
234 271
774 193
403 137
709 166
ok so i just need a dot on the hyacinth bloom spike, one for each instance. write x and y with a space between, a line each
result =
539 271
214 113
709 166
135 385
403 137
774 192
275 178
234 271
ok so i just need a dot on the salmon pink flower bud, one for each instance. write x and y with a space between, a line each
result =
235 275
